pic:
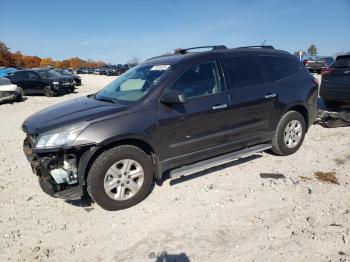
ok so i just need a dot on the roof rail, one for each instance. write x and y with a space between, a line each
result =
213 47
258 46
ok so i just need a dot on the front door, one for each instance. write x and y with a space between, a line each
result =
200 123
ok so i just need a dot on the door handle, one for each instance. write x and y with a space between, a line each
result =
270 96
217 107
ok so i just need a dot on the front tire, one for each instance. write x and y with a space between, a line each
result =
20 94
289 134
48 92
120 177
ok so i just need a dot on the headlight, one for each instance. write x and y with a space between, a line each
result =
56 83
60 137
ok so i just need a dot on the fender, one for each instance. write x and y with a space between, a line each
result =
89 156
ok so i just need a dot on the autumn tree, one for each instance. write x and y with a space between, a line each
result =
57 64
312 50
31 61
6 58
18 60
46 62
75 62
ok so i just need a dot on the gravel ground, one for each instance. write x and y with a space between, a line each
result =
226 214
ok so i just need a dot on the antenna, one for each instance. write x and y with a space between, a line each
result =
263 43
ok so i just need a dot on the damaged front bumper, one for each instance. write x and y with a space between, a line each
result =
57 171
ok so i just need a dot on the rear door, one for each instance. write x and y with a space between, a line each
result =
35 82
253 100
203 121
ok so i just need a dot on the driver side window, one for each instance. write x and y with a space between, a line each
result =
201 80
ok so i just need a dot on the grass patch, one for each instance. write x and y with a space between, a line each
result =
328 177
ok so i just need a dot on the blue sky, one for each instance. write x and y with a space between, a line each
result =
115 31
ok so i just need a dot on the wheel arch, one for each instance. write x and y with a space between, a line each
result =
90 155
302 109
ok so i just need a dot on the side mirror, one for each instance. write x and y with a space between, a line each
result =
173 97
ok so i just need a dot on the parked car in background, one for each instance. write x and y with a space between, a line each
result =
42 81
85 71
6 71
181 113
328 60
9 91
335 84
68 74
103 71
314 63
78 71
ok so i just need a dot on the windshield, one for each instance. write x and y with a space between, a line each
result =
48 73
63 72
134 84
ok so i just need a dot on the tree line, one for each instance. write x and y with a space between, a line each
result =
19 60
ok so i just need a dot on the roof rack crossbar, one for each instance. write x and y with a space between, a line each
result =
258 46
213 47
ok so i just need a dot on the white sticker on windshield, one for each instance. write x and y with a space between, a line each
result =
160 67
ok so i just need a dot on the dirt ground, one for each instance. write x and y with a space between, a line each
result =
229 213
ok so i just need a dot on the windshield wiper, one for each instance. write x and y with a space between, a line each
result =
106 99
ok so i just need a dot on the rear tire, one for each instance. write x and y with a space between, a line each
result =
112 186
290 133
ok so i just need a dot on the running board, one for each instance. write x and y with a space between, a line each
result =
217 161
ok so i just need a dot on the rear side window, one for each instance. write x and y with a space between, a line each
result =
21 75
341 63
277 68
244 71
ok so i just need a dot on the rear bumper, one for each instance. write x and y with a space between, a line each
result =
314 67
335 93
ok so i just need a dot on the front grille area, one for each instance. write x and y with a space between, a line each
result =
6 93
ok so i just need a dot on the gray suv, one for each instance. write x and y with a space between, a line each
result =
175 114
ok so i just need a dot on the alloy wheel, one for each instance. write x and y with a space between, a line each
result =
293 133
123 179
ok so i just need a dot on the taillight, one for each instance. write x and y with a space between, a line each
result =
325 71
305 62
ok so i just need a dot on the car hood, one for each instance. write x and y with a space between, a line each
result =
69 112
8 87
57 78
71 76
